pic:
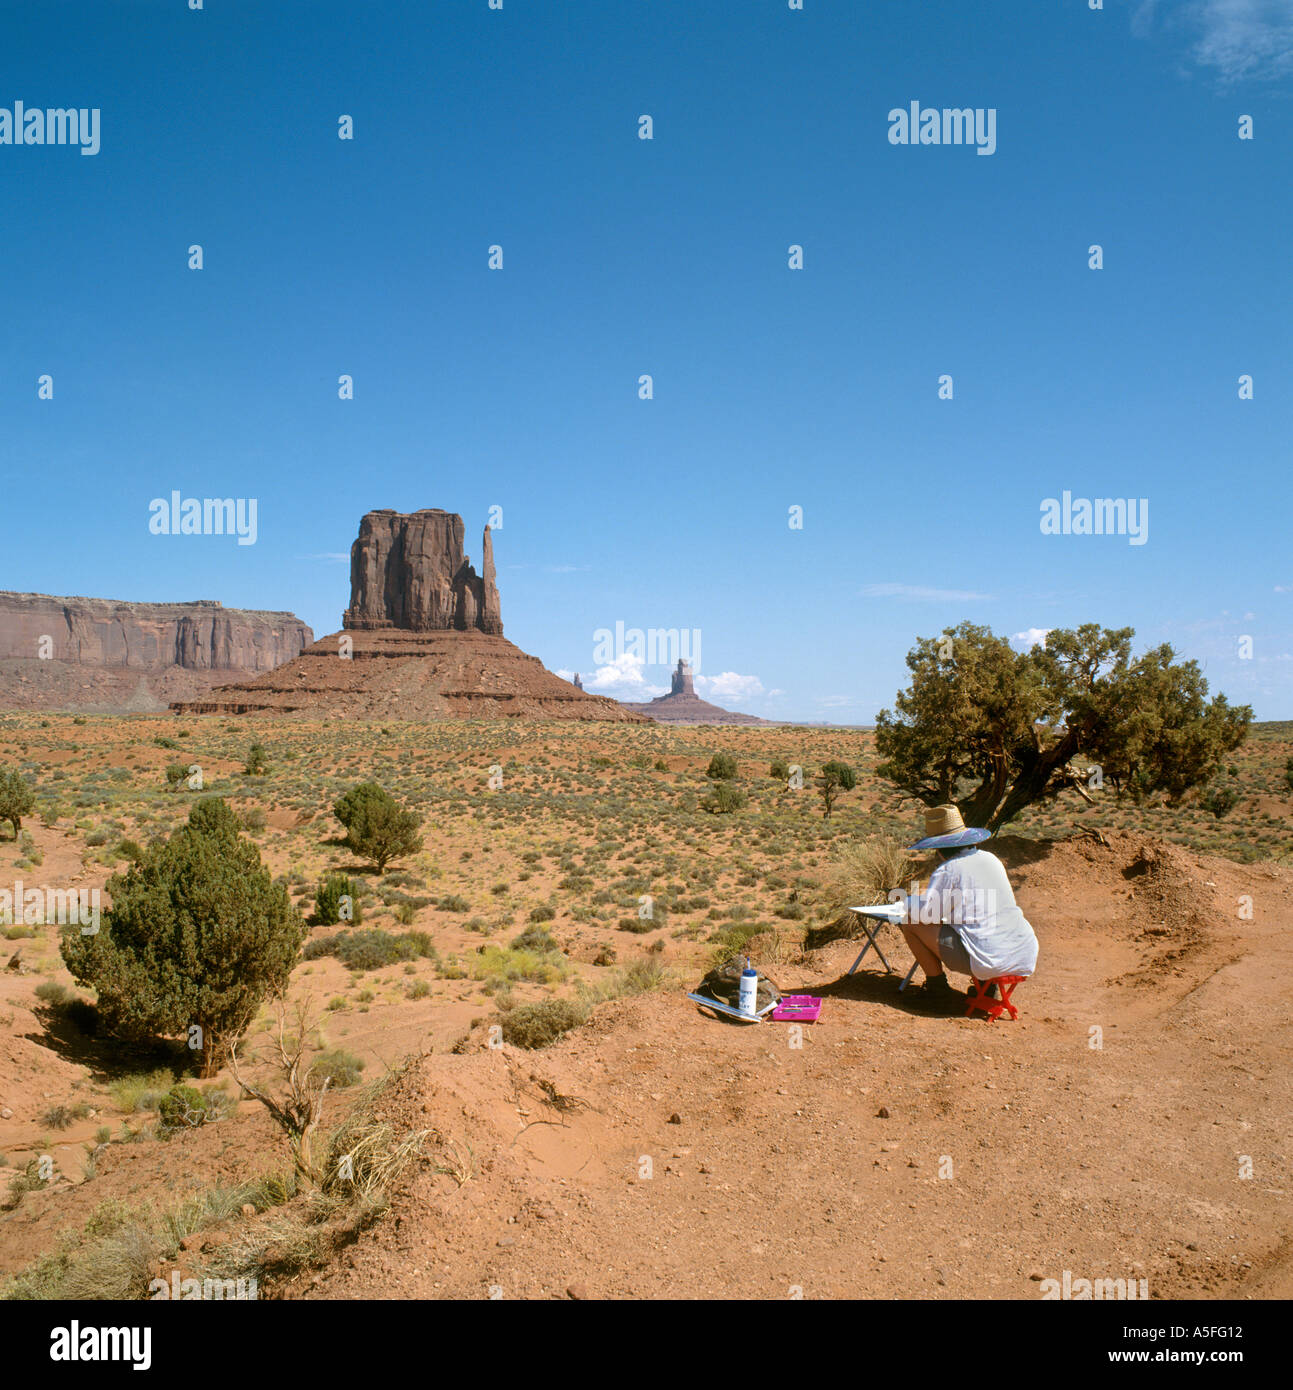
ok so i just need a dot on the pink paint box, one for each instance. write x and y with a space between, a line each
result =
797 1008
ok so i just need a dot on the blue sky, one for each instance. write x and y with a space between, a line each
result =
773 388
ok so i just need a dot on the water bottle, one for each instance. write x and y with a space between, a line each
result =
749 998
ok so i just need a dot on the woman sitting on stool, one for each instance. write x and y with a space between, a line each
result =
967 920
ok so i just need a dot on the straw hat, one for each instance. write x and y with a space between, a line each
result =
944 829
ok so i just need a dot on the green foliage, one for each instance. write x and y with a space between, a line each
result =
780 769
176 773
1288 774
377 827
372 948
540 1024
723 799
198 934
843 773
542 914
185 1107
535 938
339 1067
257 763
722 767
994 730
17 798
1220 800
132 850
337 900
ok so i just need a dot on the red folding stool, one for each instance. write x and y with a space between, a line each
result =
994 1008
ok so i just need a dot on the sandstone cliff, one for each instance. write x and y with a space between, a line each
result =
95 653
408 571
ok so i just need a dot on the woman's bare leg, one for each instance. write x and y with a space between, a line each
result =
922 939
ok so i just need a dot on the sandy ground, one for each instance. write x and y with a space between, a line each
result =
884 1152
894 1154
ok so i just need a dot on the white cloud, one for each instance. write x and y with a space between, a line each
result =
1030 636
1284 588
729 686
835 701
333 555
920 591
1240 40
623 678
1245 38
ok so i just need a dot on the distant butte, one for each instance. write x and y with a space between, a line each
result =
422 638
683 706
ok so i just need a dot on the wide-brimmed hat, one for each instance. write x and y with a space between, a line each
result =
944 829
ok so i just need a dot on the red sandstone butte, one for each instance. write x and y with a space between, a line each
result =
421 639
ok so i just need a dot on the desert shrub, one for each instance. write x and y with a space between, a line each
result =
49 992
542 1023
253 818
860 873
17 798
454 902
339 1067
1220 800
732 938
419 989
723 799
337 900
542 914
844 774
499 964
185 1107
535 939
140 1090
257 763
780 769
660 765
372 948
176 772
722 767
96 838
1288 774
377 826
197 934
130 849
28 1180
64 1116
162 742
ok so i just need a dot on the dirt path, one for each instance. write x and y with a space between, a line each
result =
1010 1152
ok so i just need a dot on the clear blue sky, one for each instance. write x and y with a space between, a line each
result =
773 388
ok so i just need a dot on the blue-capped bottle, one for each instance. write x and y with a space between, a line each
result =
749 997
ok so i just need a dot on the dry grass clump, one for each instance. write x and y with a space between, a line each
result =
860 873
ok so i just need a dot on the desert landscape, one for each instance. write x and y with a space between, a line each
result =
889 1152
638 665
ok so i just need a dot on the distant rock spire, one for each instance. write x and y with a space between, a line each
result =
579 685
681 683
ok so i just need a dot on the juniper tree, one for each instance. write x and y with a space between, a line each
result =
197 935
994 730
